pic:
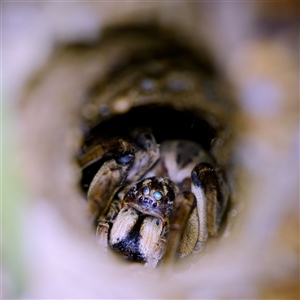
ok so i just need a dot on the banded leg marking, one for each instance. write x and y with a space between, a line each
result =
184 203
205 186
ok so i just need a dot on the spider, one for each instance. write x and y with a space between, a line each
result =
153 201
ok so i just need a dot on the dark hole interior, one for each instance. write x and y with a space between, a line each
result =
165 122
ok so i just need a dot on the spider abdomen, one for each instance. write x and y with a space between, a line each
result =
177 160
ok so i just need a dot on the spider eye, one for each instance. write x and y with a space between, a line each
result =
157 195
145 190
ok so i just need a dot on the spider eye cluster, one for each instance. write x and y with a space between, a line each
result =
146 191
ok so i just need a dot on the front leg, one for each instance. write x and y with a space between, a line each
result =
212 196
119 149
104 225
178 242
118 156
146 154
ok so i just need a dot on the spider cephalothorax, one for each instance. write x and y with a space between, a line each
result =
152 196
150 201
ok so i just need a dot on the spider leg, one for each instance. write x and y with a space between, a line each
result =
183 207
119 156
146 154
211 193
104 225
108 149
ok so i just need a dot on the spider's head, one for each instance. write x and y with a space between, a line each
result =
152 196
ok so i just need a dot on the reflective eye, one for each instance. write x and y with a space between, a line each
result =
145 190
157 195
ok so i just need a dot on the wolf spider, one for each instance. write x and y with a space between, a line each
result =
153 201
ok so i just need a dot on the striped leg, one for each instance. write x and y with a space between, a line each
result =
118 156
212 194
183 206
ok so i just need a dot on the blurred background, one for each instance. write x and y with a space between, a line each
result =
47 248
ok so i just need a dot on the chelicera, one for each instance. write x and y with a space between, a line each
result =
153 201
